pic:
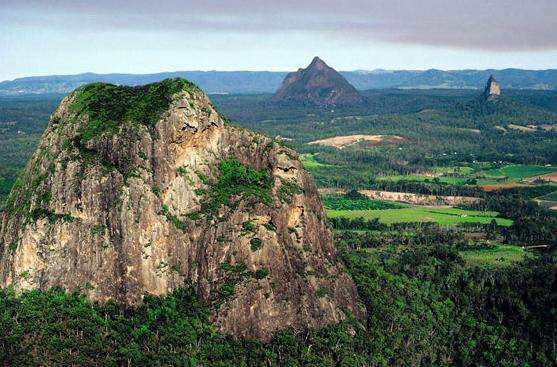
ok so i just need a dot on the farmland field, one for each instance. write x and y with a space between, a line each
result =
445 216
498 256
519 171
422 178
463 170
497 176
501 255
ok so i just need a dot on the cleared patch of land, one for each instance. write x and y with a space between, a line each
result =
476 131
525 129
552 205
343 141
500 255
331 191
500 186
406 197
444 216
418 199
462 170
549 127
489 178
548 201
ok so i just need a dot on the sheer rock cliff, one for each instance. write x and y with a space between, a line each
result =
143 190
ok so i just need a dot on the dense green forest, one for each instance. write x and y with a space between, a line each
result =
425 307
468 294
22 121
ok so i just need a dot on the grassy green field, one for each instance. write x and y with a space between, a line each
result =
445 216
517 172
309 161
506 174
421 178
463 170
501 255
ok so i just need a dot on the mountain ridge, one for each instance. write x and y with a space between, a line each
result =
269 81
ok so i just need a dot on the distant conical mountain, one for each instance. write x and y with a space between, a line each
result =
492 89
317 84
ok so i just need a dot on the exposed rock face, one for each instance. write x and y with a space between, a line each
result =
492 89
317 84
123 208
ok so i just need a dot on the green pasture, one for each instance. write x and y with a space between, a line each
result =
444 216
421 178
463 170
517 172
309 162
501 255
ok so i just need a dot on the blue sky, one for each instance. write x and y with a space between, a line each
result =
74 36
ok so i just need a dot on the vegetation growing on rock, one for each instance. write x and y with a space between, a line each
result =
236 182
107 105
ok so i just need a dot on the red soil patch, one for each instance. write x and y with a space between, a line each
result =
500 186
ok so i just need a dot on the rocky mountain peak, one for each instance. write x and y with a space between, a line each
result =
492 89
317 63
143 190
318 84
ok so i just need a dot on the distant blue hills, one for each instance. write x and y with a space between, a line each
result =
242 82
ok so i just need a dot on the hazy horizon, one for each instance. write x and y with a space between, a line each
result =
263 71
